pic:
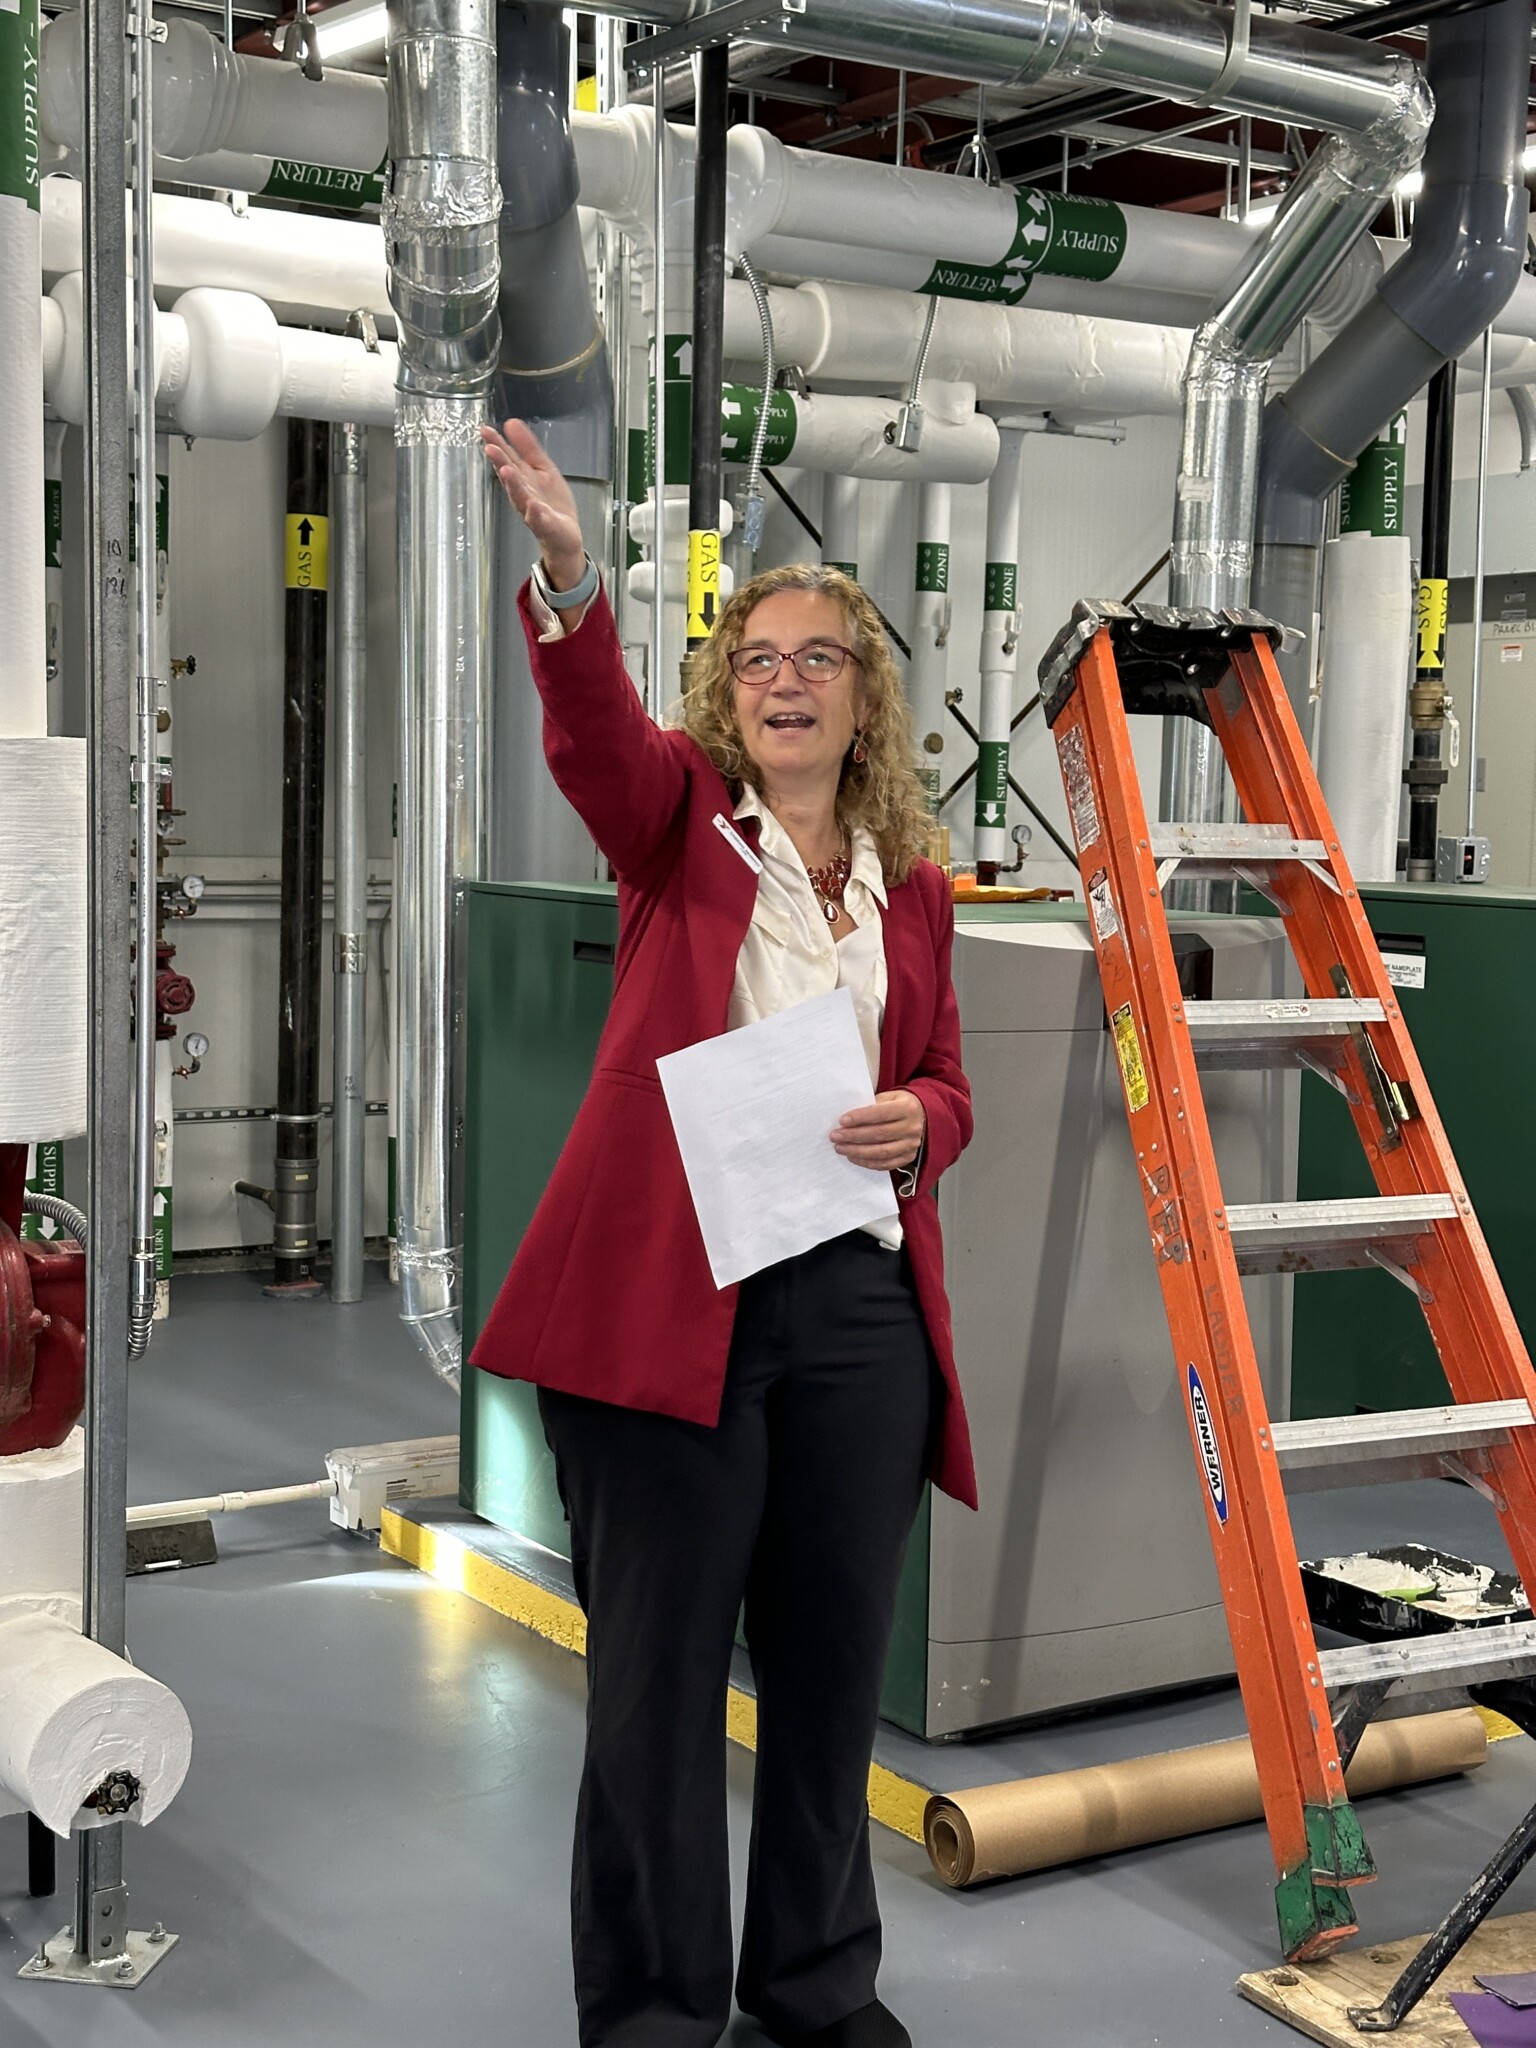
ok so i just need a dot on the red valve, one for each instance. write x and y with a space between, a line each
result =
42 1325
174 993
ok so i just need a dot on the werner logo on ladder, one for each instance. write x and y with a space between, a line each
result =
1306 1707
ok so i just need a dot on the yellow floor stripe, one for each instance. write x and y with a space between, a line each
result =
1499 1727
896 1802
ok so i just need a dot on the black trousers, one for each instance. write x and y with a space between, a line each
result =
799 1505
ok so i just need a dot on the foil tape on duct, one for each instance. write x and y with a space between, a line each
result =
1363 703
42 937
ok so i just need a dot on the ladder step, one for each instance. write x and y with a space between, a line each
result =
1407 1443
1277 1034
1253 844
1319 1237
1458 1656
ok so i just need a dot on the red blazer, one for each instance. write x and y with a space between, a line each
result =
610 1294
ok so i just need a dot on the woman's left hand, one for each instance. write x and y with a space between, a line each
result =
885 1135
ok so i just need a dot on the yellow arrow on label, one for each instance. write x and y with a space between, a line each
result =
307 551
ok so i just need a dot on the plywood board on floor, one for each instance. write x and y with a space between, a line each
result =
1315 1997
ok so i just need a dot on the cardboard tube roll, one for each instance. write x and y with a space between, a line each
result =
1035 1823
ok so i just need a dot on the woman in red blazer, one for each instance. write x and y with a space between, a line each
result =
762 1445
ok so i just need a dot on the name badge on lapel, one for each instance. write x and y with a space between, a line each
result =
737 844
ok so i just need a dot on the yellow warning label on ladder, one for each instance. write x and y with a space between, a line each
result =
307 551
1128 1046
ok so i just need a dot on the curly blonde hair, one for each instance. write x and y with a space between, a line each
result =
882 792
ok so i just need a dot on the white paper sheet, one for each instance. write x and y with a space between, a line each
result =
753 1111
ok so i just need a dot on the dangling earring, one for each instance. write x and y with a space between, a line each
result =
860 751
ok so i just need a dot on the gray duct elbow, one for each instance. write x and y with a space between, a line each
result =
552 369
1468 249
442 205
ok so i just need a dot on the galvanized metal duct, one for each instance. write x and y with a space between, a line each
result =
1180 49
1326 212
441 213
1465 261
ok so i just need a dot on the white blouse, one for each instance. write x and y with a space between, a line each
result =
789 953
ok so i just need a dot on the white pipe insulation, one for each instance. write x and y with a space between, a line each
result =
322 267
71 1713
840 525
999 652
928 672
1367 640
23 644
208 98
224 368
1011 355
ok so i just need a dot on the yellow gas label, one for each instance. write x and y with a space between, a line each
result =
1434 603
1128 1046
307 551
703 582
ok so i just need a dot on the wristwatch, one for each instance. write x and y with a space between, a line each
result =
568 600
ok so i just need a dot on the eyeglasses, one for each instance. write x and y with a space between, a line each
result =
820 662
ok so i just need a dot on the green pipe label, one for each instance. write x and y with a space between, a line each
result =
162 1233
323 185
740 408
933 565
1371 497
992 782
20 128
1057 233
53 523
162 513
849 569
1001 590
45 1176
679 394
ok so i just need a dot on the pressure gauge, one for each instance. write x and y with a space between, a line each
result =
195 1045
192 887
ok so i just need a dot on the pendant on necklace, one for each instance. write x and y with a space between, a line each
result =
830 910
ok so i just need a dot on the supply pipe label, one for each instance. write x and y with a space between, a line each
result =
1058 234
20 123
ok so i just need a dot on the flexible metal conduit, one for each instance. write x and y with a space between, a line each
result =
441 212
1468 247
349 513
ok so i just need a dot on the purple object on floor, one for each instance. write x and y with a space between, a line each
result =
1515 1988
1494 2024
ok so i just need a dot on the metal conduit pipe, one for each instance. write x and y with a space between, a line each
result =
706 469
1464 263
441 213
1210 565
349 519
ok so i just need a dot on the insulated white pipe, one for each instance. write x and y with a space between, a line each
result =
999 654
208 98
840 525
1010 354
229 1503
929 668
1367 637
224 368
847 435
23 643
288 259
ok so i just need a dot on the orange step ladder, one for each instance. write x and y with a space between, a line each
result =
1306 1707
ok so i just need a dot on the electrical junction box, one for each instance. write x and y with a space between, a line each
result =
1461 860
1088 1574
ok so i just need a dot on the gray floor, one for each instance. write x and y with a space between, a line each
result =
372 1841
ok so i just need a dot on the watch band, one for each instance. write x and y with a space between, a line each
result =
578 594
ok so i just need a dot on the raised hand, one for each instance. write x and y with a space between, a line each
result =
542 499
